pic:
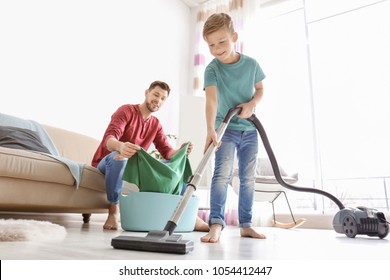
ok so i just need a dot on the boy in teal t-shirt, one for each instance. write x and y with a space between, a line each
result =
231 80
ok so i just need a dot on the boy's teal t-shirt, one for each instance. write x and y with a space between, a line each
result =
235 85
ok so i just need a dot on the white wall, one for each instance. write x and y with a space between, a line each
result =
193 128
72 63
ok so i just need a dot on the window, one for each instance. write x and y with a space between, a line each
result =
325 107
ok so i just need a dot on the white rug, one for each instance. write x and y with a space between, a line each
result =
30 230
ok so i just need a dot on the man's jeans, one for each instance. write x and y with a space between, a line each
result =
113 171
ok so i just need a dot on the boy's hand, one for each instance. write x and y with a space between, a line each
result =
246 110
211 139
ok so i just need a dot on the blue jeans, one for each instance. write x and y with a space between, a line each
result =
246 144
113 171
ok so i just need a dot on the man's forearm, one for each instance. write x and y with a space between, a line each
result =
113 144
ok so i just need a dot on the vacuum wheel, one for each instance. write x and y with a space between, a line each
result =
350 226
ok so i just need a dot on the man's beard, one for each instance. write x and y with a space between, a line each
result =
152 108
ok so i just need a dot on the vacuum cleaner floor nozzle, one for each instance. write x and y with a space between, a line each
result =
154 241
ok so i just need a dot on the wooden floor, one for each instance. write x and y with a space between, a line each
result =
91 242
289 252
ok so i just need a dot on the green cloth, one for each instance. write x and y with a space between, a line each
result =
153 175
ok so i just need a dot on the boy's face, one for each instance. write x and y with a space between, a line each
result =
155 98
221 44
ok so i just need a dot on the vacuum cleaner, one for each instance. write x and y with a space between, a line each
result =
350 221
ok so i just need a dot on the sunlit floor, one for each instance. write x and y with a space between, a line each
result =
91 242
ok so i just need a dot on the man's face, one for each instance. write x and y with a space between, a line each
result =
155 98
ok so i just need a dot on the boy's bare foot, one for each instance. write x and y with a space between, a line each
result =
112 219
213 235
201 225
250 232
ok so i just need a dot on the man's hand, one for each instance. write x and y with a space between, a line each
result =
190 147
127 150
173 151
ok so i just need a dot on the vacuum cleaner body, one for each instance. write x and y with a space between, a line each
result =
361 220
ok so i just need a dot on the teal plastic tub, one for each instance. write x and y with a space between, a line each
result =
146 211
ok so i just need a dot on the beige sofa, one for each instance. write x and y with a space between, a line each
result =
34 182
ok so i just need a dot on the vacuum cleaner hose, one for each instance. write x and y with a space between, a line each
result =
275 166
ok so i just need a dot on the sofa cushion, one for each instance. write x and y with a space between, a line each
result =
34 166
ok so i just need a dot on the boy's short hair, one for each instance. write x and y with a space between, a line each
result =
217 21
161 84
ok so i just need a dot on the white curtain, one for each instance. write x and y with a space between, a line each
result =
241 11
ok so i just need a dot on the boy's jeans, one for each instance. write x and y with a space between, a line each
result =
246 144
113 171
